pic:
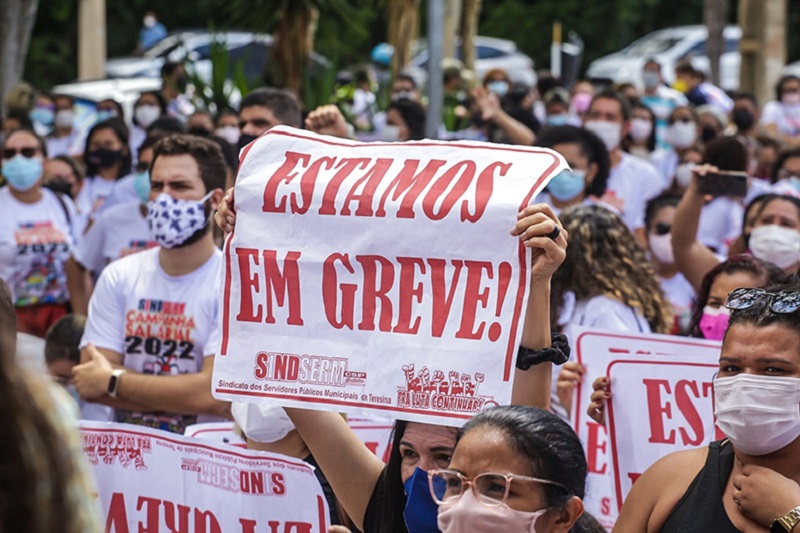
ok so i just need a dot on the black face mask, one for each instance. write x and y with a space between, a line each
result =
743 119
246 139
104 157
199 131
61 187
708 133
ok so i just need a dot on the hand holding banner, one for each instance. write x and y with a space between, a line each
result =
377 279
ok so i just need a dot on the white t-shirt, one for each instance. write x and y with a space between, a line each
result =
604 313
160 324
35 242
680 294
631 184
69 145
785 118
123 192
666 161
93 194
116 232
720 223
138 135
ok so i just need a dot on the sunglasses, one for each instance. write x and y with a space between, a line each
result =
781 302
662 228
8 153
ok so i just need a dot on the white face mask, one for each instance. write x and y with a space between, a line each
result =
262 423
641 129
683 175
776 244
609 132
390 133
64 118
759 414
146 114
467 515
681 134
661 246
229 133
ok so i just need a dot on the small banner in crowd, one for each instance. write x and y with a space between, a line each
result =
377 279
662 403
151 480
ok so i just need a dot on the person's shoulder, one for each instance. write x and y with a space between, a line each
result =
636 165
123 211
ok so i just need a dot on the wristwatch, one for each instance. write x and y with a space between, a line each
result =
113 383
786 522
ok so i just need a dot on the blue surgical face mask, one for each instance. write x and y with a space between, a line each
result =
557 120
21 172
421 511
105 114
567 185
500 88
141 184
43 116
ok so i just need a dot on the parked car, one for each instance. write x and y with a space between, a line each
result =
250 49
490 53
668 47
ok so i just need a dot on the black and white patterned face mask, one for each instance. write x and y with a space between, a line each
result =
173 221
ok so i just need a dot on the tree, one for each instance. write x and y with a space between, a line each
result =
294 24
403 18
470 14
715 15
17 18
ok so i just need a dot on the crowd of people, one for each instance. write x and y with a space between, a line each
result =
679 214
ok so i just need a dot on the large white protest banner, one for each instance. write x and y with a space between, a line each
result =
152 480
377 279
644 407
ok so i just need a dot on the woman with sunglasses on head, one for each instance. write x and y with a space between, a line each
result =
748 481
37 234
516 470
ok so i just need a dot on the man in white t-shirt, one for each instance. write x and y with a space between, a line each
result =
148 349
632 181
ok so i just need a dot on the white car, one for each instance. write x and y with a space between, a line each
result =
668 47
194 46
490 53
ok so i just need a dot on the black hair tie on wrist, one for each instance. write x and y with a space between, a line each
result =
557 353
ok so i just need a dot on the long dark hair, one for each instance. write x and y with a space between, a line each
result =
767 272
548 443
121 131
389 491
36 465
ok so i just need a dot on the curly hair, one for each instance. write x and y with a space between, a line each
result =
603 259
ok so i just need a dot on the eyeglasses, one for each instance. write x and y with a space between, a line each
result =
781 302
490 489
8 153
662 228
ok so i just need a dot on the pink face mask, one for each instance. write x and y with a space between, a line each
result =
467 515
714 322
581 102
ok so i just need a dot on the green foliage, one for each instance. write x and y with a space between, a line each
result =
226 79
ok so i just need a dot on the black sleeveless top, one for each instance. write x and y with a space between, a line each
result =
701 509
